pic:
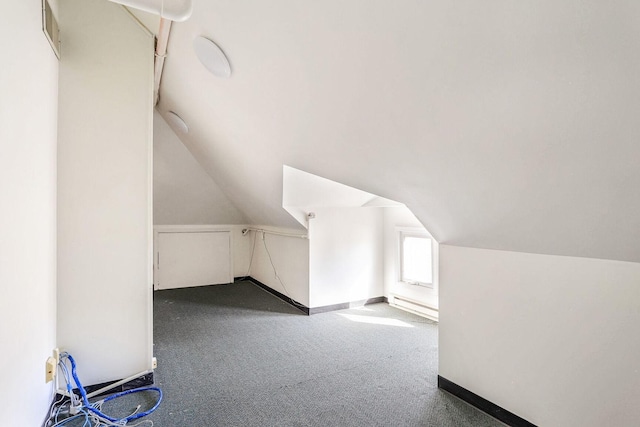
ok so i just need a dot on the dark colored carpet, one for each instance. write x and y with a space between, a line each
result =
235 355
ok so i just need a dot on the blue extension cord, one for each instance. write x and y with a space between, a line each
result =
132 417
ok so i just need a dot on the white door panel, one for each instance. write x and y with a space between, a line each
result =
188 259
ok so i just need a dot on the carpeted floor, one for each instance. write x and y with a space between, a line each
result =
234 355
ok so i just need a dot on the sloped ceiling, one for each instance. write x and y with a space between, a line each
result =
500 124
302 192
183 193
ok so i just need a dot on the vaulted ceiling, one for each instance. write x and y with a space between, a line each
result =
500 124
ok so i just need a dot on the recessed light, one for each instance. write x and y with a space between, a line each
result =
212 57
177 122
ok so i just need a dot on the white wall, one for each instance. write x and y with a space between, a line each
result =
290 257
28 114
345 255
401 217
183 193
553 339
104 190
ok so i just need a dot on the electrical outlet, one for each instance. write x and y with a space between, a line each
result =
154 363
50 369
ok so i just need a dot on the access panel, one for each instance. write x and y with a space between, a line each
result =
186 259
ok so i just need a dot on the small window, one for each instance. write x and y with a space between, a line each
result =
416 259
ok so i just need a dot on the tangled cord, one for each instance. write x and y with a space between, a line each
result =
80 407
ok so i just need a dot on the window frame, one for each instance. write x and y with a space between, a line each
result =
413 232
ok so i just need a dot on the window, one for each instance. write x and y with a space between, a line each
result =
416 265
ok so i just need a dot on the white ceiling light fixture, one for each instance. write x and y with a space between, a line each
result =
177 122
175 10
212 57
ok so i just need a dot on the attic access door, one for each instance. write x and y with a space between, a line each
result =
193 258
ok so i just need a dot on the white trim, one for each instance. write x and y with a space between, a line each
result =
149 230
417 230
285 232
192 228
276 233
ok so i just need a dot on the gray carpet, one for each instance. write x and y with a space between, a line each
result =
234 355
237 356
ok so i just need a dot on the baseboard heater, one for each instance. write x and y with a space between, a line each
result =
414 307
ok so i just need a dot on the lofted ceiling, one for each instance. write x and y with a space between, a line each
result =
500 124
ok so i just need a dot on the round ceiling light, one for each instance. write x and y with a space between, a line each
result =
177 122
212 57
